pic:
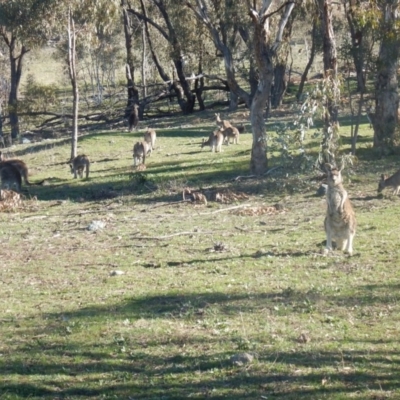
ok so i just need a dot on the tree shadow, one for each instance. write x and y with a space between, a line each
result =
88 370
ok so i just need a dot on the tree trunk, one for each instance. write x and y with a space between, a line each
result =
133 92
144 62
358 45
264 59
329 58
74 83
199 83
280 78
279 86
263 56
202 15
386 95
16 72
187 103
310 61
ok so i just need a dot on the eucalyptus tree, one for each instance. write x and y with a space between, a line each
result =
133 91
24 24
215 15
360 21
329 60
386 83
173 23
263 21
83 18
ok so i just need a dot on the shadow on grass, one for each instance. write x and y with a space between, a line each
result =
148 377
164 366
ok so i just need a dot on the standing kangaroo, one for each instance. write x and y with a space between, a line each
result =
393 181
215 141
140 151
231 133
150 137
222 123
340 221
78 164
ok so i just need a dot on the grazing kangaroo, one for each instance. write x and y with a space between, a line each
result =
78 164
393 181
223 123
140 151
150 137
215 141
10 177
340 221
20 165
231 133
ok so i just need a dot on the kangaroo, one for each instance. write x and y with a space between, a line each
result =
340 221
215 141
10 177
393 181
223 123
140 151
78 164
231 133
150 137
20 165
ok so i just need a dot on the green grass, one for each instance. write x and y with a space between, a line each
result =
167 327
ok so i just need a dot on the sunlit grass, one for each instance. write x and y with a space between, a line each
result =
167 327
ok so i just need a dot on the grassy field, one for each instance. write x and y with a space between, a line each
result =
174 300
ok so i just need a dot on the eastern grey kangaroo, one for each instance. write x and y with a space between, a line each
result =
215 141
150 137
20 165
78 164
340 221
140 151
10 177
231 133
393 181
222 123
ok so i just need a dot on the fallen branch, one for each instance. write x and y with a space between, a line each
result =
247 230
225 209
172 202
172 235
238 178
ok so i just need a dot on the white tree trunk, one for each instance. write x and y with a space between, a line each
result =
74 83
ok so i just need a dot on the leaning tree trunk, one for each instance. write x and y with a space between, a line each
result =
280 79
74 82
201 14
187 102
310 61
16 72
386 95
133 92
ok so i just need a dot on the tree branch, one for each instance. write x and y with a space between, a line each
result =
150 21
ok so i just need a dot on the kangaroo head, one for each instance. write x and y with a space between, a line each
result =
334 176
